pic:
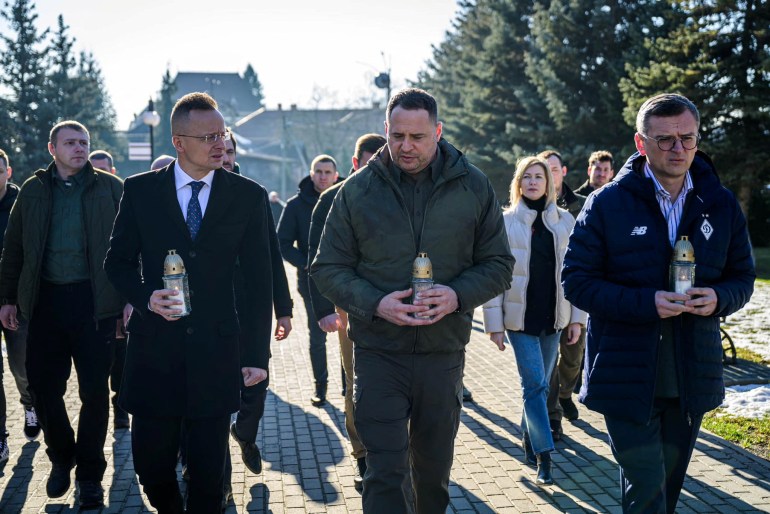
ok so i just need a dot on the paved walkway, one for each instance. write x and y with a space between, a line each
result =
307 467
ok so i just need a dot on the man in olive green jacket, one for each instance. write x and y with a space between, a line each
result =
52 268
418 194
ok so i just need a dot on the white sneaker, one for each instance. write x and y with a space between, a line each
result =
4 451
31 425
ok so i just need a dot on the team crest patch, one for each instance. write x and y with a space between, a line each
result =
706 229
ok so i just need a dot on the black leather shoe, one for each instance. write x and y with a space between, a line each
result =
467 395
252 459
59 479
91 494
556 431
544 476
228 496
529 453
569 408
358 478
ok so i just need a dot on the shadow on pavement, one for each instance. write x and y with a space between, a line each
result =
18 484
260 499
485 434
307 449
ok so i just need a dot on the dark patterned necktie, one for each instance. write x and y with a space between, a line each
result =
194 213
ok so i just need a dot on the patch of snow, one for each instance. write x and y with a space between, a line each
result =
749 401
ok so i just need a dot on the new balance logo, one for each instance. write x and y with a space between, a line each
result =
639 231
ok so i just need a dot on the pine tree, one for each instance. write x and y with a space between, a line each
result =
23 75
164 105
477 76
256 86
578 56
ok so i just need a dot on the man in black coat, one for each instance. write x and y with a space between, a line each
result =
186 371
294 229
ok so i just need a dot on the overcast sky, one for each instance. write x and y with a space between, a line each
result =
299 48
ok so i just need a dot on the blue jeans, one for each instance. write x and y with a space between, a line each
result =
535 358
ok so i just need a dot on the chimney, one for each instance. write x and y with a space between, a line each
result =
280 107
293 107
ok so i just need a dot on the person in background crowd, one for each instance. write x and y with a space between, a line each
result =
293 234
566 373
276 205
654 356
101 159
64 215
331 318
533 311
246 425
15 340
600 172
161 162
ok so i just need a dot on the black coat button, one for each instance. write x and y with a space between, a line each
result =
193 254
190 330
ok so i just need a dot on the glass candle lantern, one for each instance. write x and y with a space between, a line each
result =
422 278
682 269
175 277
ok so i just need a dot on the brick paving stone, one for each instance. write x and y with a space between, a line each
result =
307 465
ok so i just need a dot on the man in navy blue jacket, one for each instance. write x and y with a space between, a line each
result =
653 363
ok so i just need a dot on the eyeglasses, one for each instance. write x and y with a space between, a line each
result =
210 138
667 143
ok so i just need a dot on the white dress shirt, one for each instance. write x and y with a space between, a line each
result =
184 190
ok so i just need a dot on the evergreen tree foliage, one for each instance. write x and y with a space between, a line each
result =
163 105
48 83
23 76
256 86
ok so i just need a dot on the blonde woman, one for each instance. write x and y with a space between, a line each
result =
533 311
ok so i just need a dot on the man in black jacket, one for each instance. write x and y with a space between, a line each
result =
246 425
653 349
600 171
335 319
293 233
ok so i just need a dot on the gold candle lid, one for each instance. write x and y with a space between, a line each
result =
683 250
173 265
422 268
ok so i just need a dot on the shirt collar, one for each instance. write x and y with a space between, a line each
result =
659 190
181 178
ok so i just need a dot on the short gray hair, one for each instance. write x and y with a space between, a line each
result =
665 104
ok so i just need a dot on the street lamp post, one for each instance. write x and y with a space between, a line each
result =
152 119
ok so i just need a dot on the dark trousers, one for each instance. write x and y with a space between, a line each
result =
116 370
155 443
247 420
566 373
407 411
653 457
62 331
16 344
317 336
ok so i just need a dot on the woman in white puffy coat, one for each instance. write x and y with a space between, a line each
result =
533 312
